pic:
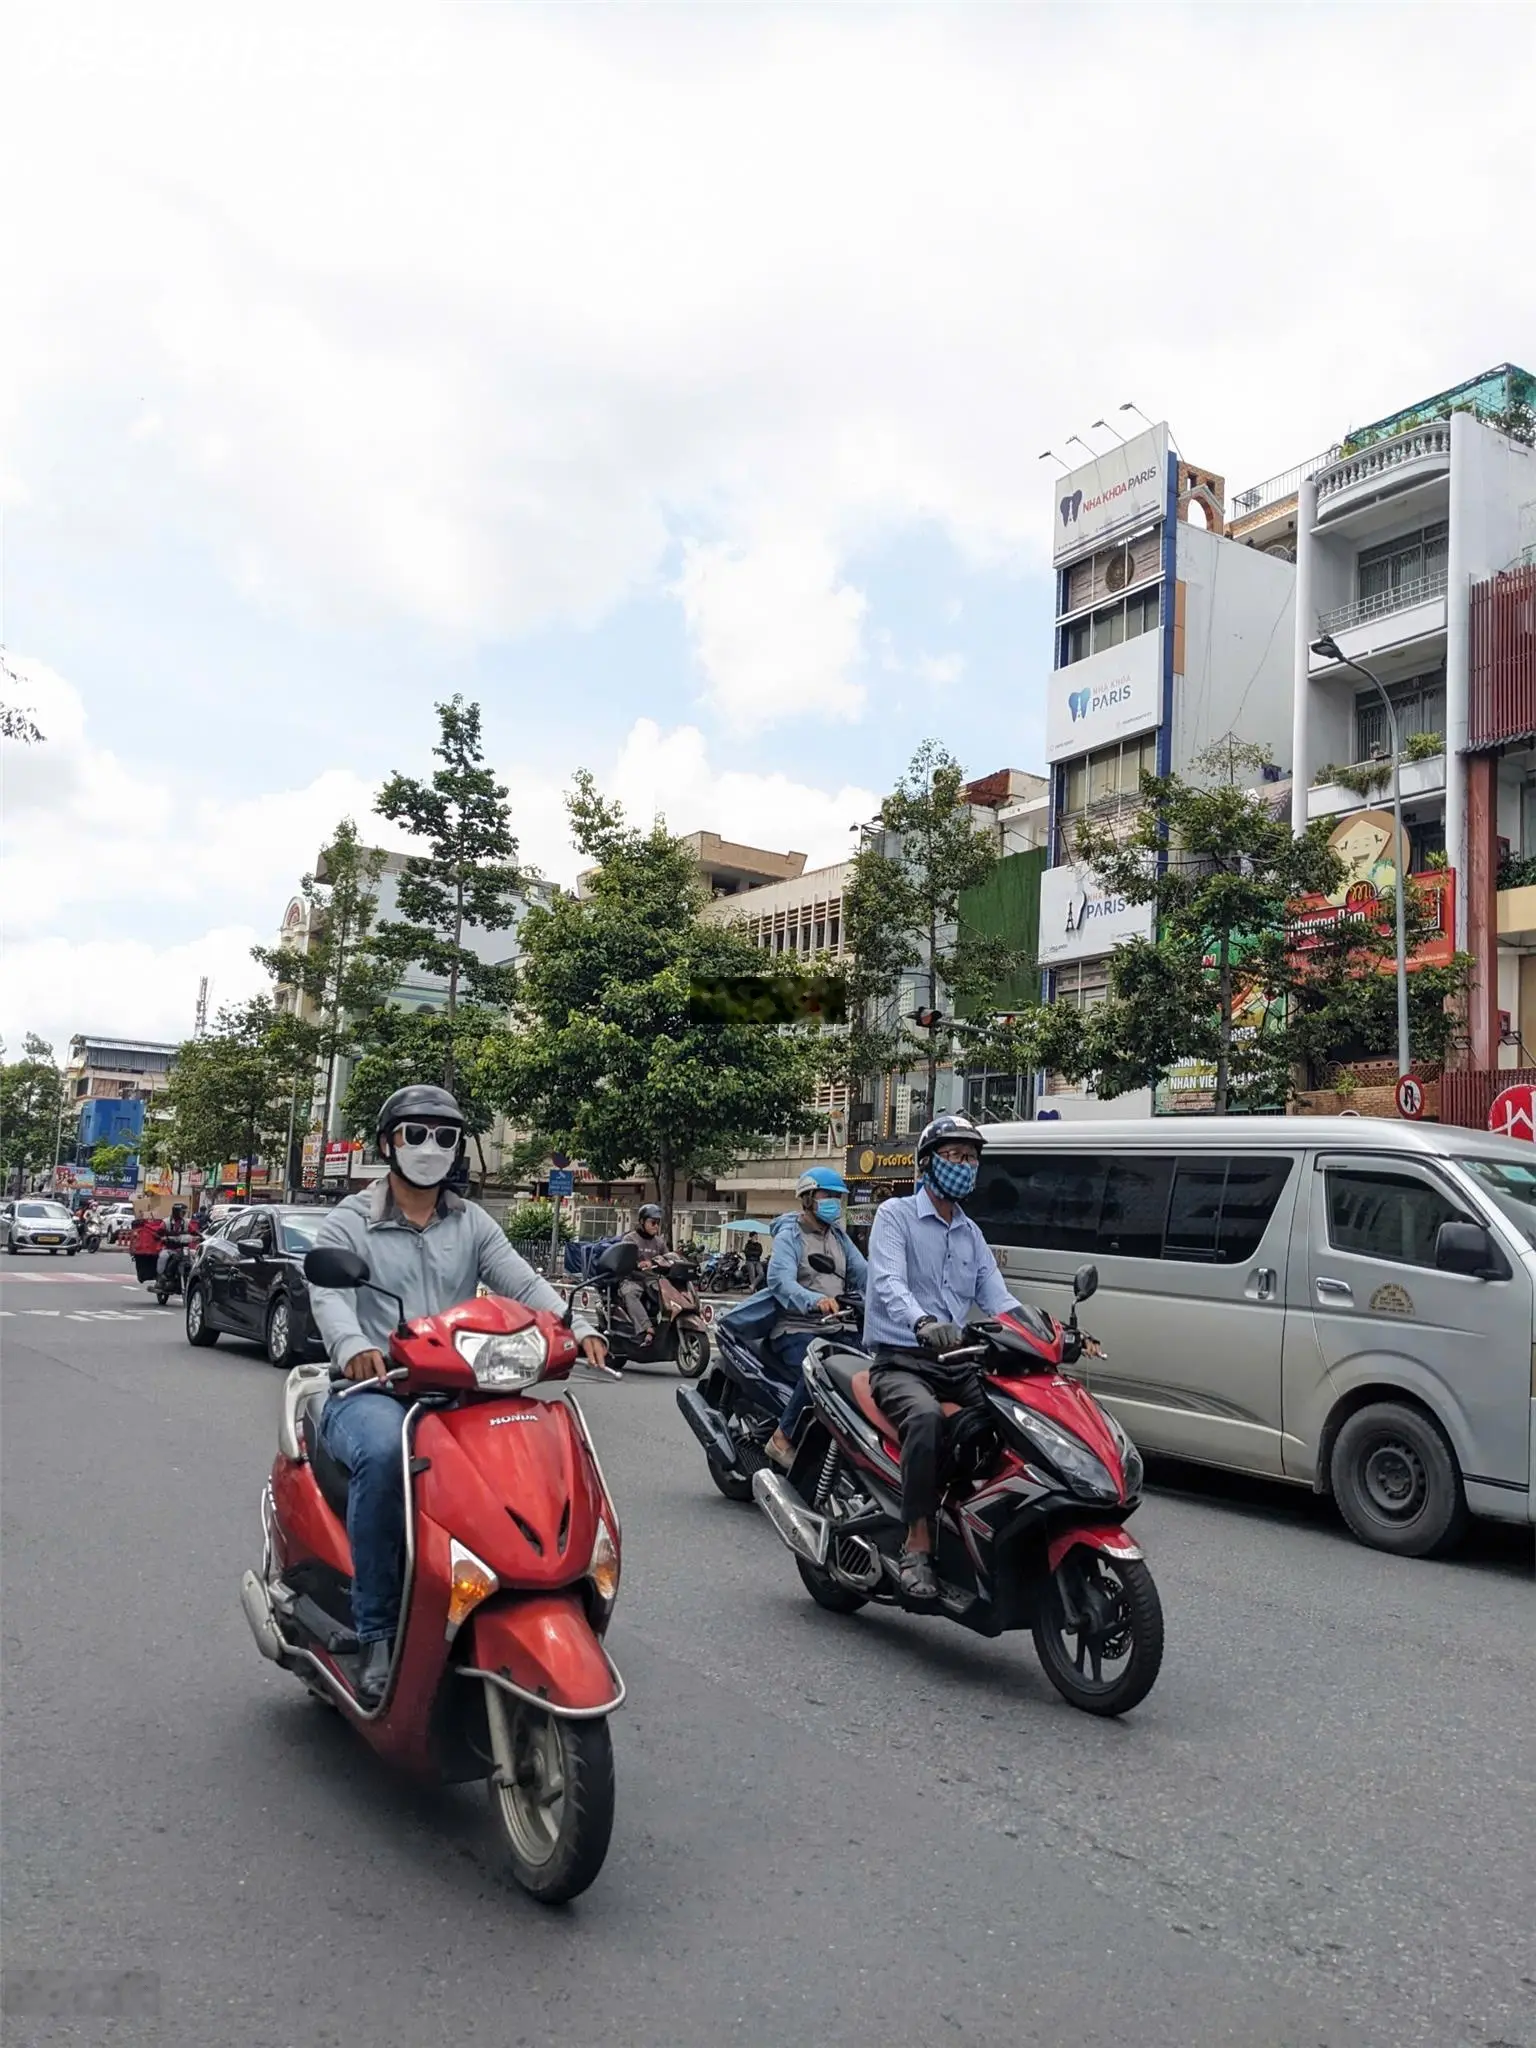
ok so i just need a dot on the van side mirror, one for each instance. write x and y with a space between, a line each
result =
329 1266
1085 1281
1468 1248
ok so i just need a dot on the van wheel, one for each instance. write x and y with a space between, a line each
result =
1395 1479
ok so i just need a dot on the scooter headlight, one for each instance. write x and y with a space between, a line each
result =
503 1361
1130 1457
1085 1473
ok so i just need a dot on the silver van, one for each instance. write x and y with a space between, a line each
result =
1347 1303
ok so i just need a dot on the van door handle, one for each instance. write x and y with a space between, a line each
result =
1261 1284
1335 1290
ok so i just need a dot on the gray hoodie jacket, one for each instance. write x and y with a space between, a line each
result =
429 1269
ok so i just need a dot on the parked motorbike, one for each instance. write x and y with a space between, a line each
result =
1030 1527
511 1573
680 1323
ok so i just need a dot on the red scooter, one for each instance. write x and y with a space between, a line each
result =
1029 1532
511 1573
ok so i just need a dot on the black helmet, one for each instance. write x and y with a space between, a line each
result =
951 1129
650 1212
422 1099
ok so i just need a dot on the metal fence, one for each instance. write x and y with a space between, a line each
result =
1466 1098
1399 599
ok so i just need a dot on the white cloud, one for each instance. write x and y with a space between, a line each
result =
124 887
466 321
777 633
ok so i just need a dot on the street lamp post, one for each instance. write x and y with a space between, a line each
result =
1330 650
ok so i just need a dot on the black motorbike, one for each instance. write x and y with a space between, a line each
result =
739 1404
171 1277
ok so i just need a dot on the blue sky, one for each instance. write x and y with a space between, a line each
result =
671 381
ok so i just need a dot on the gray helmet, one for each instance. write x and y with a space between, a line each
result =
423 1100
648 1212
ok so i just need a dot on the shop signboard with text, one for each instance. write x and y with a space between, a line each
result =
1108 697
1113 491
1079 920
339 1155
1368 843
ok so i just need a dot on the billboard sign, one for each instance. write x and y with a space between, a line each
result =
1367 842
1080 921
1130 483
1106 698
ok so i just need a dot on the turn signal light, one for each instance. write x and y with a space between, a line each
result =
472 1581
604 1568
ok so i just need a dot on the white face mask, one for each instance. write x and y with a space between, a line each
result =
424 1166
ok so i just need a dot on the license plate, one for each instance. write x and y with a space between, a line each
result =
50 1240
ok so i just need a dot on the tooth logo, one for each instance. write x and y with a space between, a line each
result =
1071 505
1077 704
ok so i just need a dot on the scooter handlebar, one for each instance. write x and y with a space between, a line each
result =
338 1378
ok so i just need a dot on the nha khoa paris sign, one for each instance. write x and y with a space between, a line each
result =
1106 698
1367 841
1127 484
1079 920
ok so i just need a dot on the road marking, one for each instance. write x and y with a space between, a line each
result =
92 1315
39 1311
68 1279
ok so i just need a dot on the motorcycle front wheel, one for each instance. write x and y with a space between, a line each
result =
1099 1631
554 1797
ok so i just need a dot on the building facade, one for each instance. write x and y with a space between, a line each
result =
1169 636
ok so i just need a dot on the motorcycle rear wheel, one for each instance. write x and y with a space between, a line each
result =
556 1807
692 1352
1127 1629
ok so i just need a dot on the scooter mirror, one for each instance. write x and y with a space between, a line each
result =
329 1266
822 1262
619 1259
1085 1281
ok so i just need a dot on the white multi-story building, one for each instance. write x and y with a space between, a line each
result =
1169 636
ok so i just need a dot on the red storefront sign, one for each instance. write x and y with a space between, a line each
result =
1313 918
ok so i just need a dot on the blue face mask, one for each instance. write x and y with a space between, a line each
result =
828 1210
953 1179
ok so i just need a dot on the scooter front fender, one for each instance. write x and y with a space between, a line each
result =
543 1650
1106 1536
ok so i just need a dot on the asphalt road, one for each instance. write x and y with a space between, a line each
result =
1320 1829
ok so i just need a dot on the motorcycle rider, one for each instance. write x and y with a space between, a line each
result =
145 1244
432 1248
803 1291
650 1241
929 1266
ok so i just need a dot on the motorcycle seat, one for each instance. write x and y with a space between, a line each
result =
332 1478
852 1380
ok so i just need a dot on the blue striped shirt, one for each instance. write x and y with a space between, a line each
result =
919 1266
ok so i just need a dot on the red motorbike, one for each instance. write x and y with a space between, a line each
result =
511 1573
1030 1527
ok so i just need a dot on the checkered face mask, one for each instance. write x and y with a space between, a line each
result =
954 1179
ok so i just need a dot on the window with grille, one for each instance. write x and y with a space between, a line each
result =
1127 619
1103 783
1420 706
1410 558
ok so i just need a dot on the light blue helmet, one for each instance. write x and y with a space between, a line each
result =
821 1180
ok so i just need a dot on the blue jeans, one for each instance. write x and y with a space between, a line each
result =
363 1432
790 1350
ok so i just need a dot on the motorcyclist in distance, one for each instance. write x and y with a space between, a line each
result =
433 1249
802 1289
649 1239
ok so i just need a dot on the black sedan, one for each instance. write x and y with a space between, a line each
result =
247 1280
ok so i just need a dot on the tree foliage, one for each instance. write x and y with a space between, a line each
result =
336 975
606 1058
232 1094
31 1095
468 875
1222 872
16 720
405 1046
110 1162
902 911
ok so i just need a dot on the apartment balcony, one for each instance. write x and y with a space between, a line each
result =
1387 469
1264 516
1419 779
1395 619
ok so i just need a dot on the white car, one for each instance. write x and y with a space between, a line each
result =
36 1225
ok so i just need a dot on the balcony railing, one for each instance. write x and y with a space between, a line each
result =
1380 463
1403 597
1285 485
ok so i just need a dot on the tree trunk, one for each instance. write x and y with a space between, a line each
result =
453 979
666 1189
484 1174
1224 1028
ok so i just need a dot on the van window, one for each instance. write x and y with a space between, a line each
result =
1384 1215
1132 1205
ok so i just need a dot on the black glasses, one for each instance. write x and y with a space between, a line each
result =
446 1135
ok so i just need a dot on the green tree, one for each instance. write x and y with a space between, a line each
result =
31 1096
531 1223
232 1094
902 912
335 974
469 876
1221 873
109 1162
404 1046
16 720
607 1059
